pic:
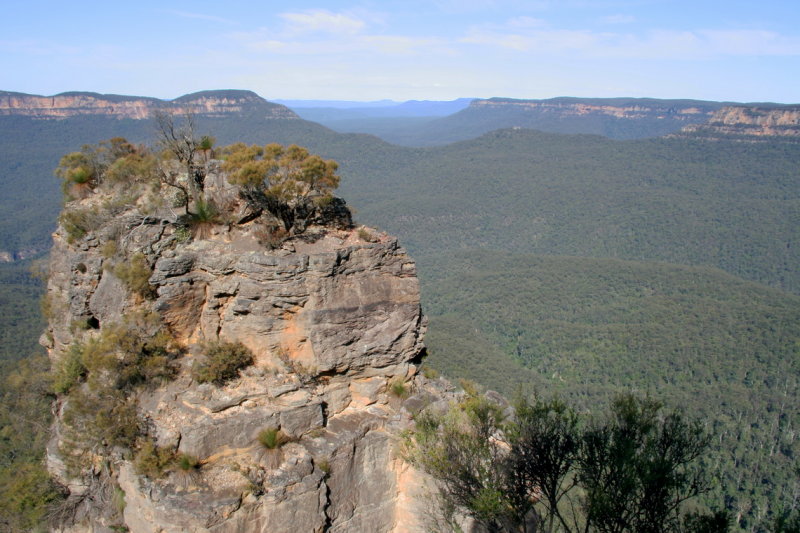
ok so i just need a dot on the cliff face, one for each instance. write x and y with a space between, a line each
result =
754 122
334 326
616 118
206 103
617 108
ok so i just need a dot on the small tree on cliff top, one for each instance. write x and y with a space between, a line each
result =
280 180
179 140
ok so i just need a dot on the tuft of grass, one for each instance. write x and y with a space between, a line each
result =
272 438
118 499
399 388
365 235
186 462
108 249
430 372
205 211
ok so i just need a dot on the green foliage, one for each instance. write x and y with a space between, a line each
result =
186 462
78 222
26 490
458 450
115 162
135 273
324 465
280 180
101 413
69 370
398 388
724 204
272 438
638 468
27 496
545 442
21 320
136 167
222 362
108 249
632 471
205 211
206 143
118 500
79 168
204 215
589 329
365 235
151 460
97 418
430 372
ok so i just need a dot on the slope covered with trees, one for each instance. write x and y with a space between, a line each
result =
586 327
719 348
729 205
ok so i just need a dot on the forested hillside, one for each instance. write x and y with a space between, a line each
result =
730 205
725 350
543 260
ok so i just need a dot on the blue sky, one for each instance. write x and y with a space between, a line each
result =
436 50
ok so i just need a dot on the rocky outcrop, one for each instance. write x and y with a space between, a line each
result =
750 123
206 103
335 328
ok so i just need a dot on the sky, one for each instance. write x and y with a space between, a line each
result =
724 50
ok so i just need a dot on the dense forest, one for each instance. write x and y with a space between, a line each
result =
701 340
566 263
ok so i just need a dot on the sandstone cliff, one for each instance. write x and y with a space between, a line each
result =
616 118
205 103
331 317
750 123
629 108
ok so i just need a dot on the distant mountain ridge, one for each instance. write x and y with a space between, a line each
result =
616 118
207 103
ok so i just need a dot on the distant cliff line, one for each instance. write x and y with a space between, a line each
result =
71 104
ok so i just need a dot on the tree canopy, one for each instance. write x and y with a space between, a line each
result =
542 468
281 180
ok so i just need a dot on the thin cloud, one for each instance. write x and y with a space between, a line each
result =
200 16
357 44
655 44
321 20
322 32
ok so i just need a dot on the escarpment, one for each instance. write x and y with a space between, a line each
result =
74 104
220 370
751 123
